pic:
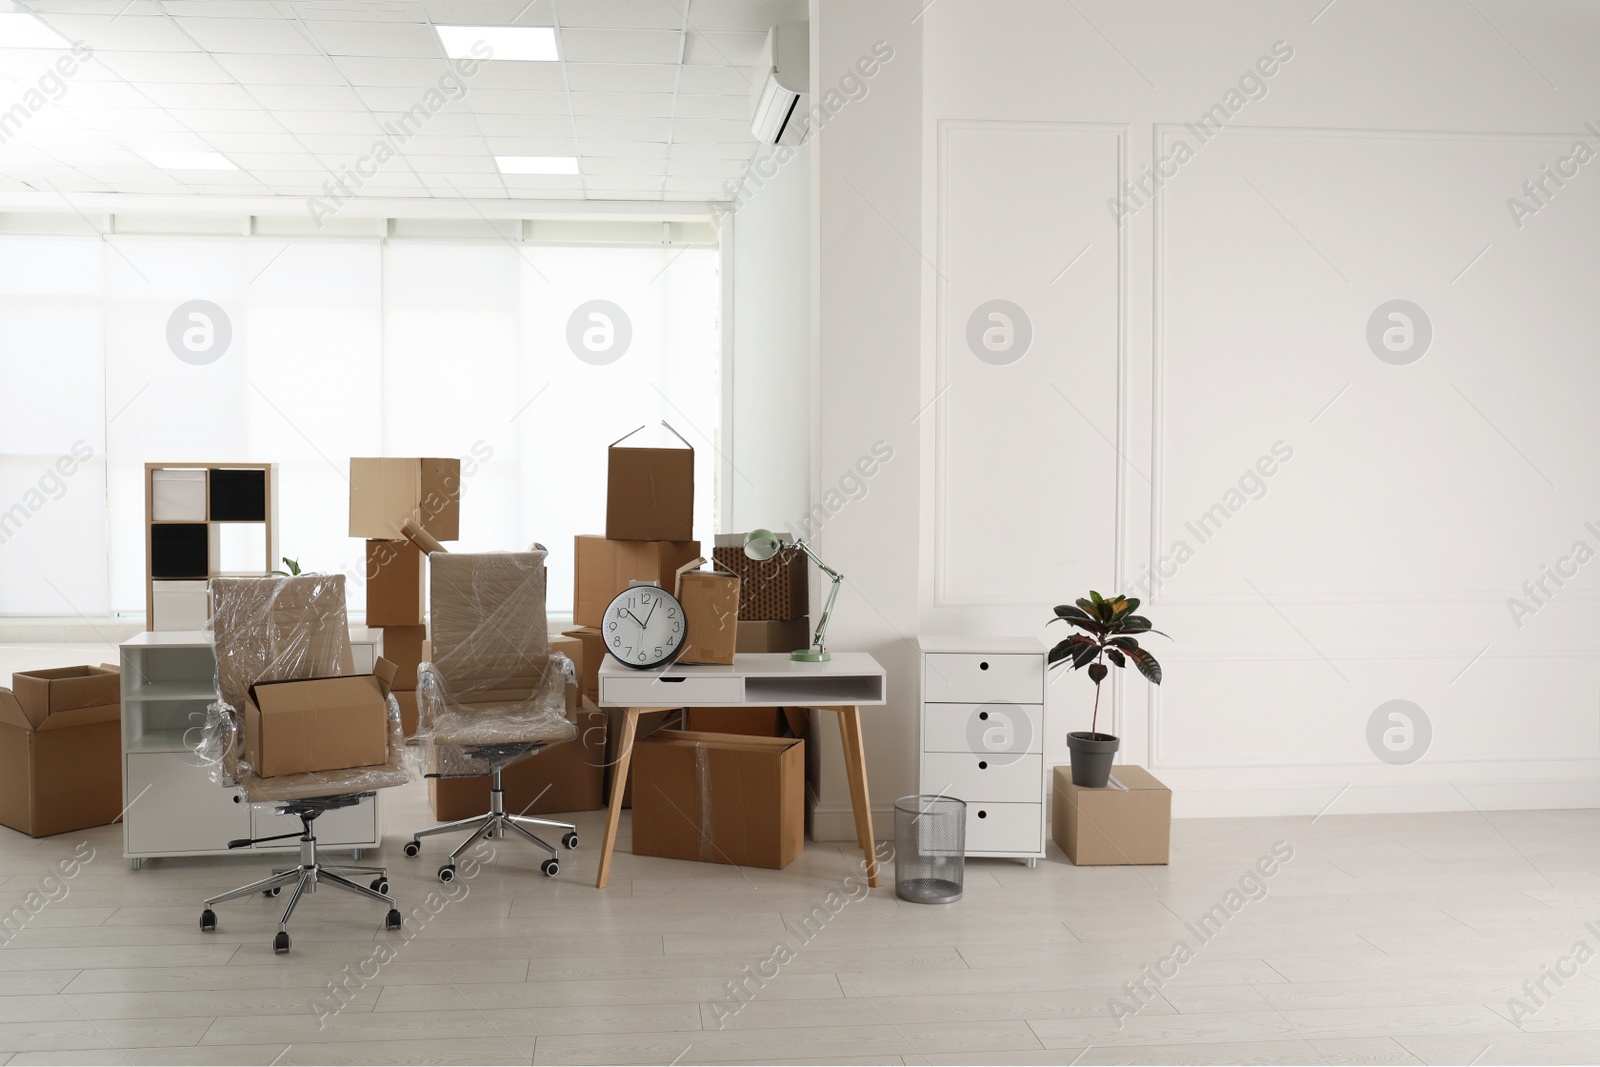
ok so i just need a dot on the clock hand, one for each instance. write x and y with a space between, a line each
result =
651 614
634 617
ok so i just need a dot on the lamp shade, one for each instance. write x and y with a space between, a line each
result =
761 544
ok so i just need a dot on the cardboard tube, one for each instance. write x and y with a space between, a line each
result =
422 538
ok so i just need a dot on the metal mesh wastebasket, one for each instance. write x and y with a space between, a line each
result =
930 848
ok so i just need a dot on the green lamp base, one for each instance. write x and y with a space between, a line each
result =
811 655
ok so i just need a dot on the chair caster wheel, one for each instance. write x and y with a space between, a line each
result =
280 943
392 920
570 840
550 867
380 885
447 873
274 891
412 848
208 920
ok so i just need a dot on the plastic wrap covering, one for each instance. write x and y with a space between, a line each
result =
282 629
492 680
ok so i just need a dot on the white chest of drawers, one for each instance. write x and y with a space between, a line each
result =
982 738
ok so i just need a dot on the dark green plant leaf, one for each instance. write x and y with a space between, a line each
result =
1066 648
1147 664
1116 657
1096 597
1085 656
1072 613
1126 606
1123 642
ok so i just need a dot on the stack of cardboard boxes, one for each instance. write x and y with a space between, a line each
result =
384 495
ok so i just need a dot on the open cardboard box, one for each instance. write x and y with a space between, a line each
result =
650 491
318 724
61 750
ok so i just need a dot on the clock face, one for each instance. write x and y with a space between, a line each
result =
644 627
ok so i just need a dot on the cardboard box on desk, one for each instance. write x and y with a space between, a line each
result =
384 493
720 798
61 750
1126 822
650 492
318 724
711 614
562 778
603 568
396 583
773 589
593 644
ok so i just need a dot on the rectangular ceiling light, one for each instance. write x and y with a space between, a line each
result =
537 164
190 160
504 42
23 30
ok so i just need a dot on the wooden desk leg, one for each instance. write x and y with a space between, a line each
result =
619 786
855 766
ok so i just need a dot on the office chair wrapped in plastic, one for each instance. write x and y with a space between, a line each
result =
491 693
285 629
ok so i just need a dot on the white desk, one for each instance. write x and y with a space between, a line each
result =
844 684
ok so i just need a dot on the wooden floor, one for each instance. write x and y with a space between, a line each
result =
1395 939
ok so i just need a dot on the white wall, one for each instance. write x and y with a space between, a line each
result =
769 422
1174 352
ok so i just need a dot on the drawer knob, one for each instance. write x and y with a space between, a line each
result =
984 665
983 815
983 765
984 715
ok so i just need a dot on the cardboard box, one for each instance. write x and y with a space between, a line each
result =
594 654
396 577
384 493
408 712
711 616
649 724
489 628
260 620
720 798
603 568
318 724
61 750
774 635
650 492
405 647
1127 822
572 648
562 778
773 589
752 722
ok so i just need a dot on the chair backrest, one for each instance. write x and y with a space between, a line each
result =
487 611
276 629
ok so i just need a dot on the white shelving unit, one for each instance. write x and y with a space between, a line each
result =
982 737
174 808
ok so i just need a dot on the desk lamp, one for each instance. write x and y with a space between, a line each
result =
763 545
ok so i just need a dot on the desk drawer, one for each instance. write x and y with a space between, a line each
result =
1004 827
1001 778
670 690
972 678
993 727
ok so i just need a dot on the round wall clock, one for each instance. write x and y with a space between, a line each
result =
644 626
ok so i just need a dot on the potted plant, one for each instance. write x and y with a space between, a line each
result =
1109 626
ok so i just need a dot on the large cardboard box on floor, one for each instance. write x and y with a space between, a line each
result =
773 589
710 602
719 798
603 568
61 750
1128 821
774 635
318 724
384 493
396 583
565 777
650 491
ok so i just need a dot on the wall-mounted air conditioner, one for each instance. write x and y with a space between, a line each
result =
778 100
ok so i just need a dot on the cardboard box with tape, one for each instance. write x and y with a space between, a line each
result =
1128 821
396 583
384 493
61 750
719 798
603 568
710 602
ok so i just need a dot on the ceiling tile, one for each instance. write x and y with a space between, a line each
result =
706 168
456 123
725 81
623 78
597 165
714 150
417 74
494 126
129 33
633 105
487 13
209 97
628 149
413 40
693 131
307 97
208 122
623 14
146 68
620 46
515 74
735 108
615 128
510 102
327 121
346 10
724 49
532 146
273 36
745 15
298 71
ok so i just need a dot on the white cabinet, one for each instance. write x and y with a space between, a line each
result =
174 808
982 737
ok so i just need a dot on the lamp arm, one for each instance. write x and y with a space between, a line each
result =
833 594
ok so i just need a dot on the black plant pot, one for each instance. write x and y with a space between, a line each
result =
1092 755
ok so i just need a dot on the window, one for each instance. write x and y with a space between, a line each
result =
524 360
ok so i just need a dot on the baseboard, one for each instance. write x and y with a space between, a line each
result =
1477 795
